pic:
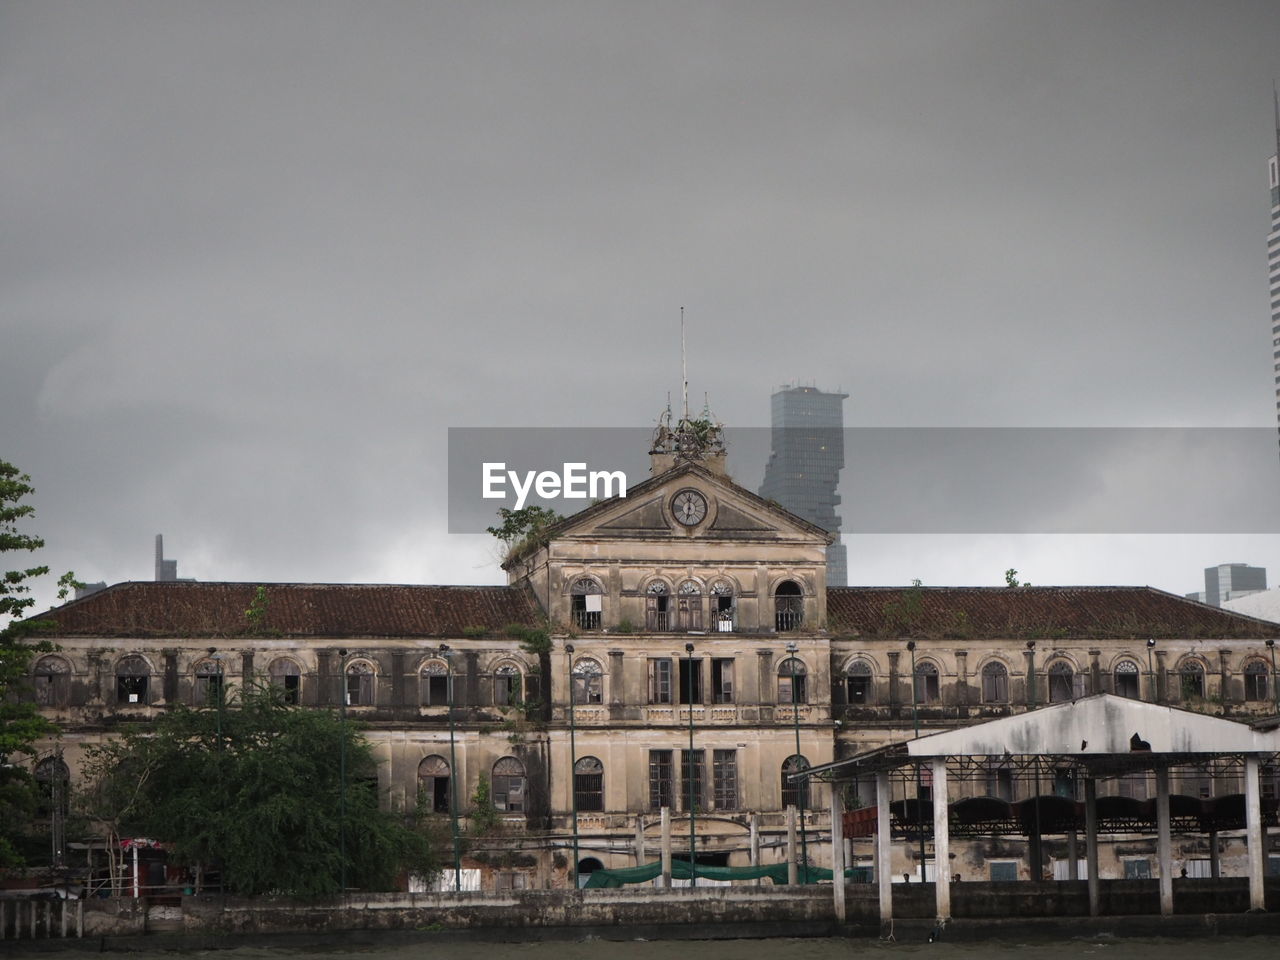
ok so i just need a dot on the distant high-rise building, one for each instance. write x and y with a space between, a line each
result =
804 466
165 569
1229 581
1273 256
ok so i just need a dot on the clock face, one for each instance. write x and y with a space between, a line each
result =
689 507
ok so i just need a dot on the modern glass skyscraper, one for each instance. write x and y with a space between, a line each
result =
804 465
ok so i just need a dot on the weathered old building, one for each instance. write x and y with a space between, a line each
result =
696 657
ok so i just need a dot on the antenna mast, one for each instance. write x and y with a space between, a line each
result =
684 367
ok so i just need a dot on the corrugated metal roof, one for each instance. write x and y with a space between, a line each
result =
190 609
1033 613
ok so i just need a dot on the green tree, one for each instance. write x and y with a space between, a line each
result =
254 787
21 725
522 529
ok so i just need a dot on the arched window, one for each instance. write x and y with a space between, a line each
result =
791 681
54 776
588 784
1125 678
433 784
287 675
995 682
722 605
588 681
1062 682
508 785
1192 677
360 684
208 688
926 683
586 603
795 794
657 606
788 606
689 606
506 685
435 684
52 682
133 677
857 683
1255 681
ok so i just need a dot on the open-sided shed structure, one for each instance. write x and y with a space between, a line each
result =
1095 737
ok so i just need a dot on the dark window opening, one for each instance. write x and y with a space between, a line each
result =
660 792
508 785
52 682
926 683
1255 681
506 686
286 675
660 680
857 683
795 793
690 681
995 683
588 682
722 681
788 606
586 604
1126 680
1192 680
209 685
359 685
692 796
791 682
657 616
588 785
433 784
132 680
1062 682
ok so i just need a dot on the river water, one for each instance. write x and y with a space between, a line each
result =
1237 948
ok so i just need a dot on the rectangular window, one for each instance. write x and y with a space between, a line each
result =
1000 784
1003 871
722 681
660 792
692 780
690 681
660 680
725 779
435 690
1062 869
1137 869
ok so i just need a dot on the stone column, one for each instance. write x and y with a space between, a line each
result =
169 682
1224 678
397 679
941 841
837 850
1162 678
894 698
962 682
1091 842
1095 672
755 846
1215 860
246 668
884 846
1254 833
639 841
1032 695
764 676
1164 843
666 847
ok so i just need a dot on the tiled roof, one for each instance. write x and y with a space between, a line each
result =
1032 612
190 609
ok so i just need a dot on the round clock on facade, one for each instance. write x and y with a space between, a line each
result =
689 507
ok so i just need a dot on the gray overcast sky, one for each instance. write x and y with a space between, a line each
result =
257 257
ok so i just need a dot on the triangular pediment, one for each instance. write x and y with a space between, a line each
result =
732 513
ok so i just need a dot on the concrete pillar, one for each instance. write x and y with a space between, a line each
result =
666 847
837 850
1091 843
1254 832
80 918
941 840
1215 861
639 841
1164 843
884 846
755 847
1073 856
793 874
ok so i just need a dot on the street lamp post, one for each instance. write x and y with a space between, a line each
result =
802 786
693 806
1275 688
453 774
573 764
342 771
915 725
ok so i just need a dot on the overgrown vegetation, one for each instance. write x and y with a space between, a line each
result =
21 725
523 530
282 800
